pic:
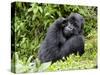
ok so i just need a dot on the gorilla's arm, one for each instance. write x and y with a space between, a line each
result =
49 48
73 45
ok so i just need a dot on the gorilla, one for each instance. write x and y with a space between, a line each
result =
64 37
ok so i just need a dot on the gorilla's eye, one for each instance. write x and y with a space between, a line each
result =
75 24
64 24
64 21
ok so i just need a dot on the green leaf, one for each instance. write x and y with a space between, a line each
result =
30 9
41 10
29 60
44 66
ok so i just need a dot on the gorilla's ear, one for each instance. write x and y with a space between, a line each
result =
83 21
82 26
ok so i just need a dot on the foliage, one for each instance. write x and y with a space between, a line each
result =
29 26
23 67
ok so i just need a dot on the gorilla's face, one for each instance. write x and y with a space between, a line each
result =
73 25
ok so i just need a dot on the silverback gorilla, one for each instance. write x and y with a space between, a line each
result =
64 37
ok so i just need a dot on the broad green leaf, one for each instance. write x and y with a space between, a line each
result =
44 66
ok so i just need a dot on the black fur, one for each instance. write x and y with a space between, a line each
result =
64 37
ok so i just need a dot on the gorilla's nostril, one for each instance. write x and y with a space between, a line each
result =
70 27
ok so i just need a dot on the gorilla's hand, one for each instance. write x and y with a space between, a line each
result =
58 23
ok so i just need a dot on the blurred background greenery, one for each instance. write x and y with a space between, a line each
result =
29 24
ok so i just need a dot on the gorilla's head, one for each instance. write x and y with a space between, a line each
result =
73 25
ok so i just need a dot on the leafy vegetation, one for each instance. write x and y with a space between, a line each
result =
29 25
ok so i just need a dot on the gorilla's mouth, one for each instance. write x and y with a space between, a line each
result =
68 33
